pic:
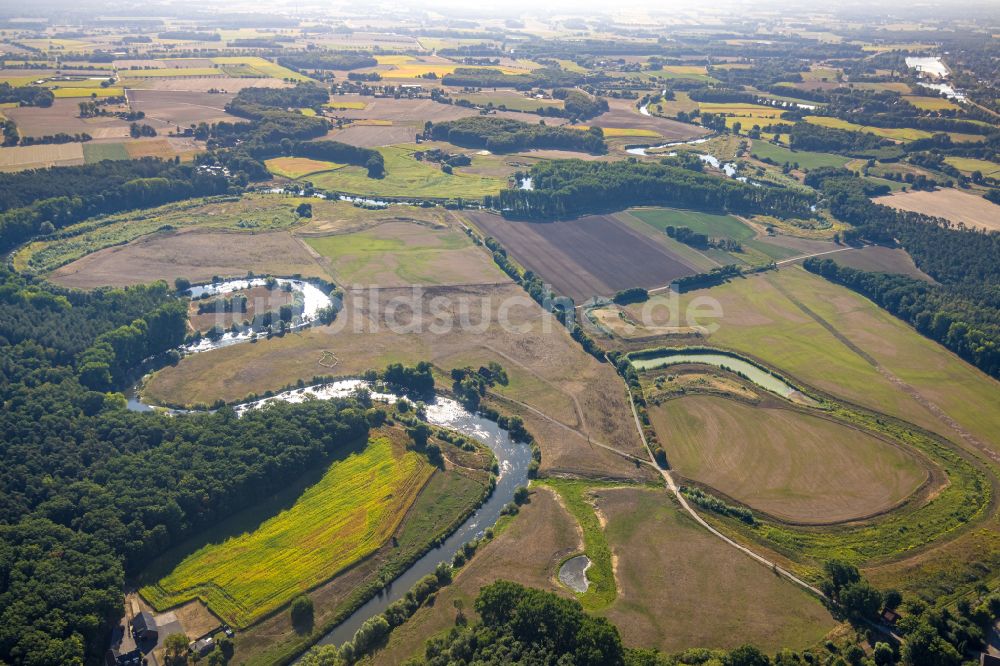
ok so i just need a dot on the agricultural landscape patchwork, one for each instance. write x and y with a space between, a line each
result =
641 335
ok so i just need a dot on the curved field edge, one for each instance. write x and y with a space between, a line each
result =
344 518
967 498
877 474
602 591
99 233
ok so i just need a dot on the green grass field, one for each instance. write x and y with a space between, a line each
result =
602 590
969 165
406 177
399 253
804 158
512 101
69 92
95 152
717 226
894 133
346 516
260 66
759 319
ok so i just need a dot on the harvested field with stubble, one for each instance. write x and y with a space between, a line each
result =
196 255
203 84
681 587
596 255
181 108
19 158
796 467
63 116
881 259
960 208
372 136
517 554
455 327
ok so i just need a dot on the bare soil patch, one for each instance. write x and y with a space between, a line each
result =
370 136
191 254
682 587
960 208
63 116
181 108
596 255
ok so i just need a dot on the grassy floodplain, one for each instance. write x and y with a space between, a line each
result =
805 159
249 213
346 516
406 177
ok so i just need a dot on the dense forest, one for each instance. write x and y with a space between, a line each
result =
345 60
963 309
41 201
568 188
503 135
90 490
970 329
579 105
26 95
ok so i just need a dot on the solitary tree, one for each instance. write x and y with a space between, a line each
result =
302 613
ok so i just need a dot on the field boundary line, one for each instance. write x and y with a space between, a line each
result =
906 388
672 486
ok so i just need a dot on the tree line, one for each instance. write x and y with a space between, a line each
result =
90 490
569 188
43 200
971 330
505 135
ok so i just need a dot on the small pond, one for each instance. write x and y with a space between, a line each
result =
573 573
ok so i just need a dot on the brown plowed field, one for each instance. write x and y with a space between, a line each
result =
596 255
181 108
63 116
192 254
370 136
